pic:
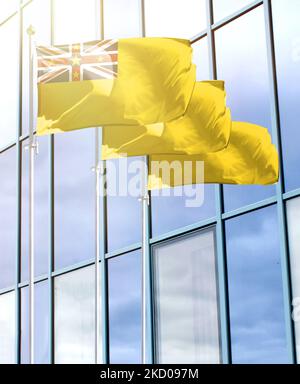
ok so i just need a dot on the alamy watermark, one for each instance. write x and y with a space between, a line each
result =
134 176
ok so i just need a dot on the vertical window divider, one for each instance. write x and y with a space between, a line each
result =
281 209
220 237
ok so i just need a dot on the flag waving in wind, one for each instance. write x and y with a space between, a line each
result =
109 82
144 94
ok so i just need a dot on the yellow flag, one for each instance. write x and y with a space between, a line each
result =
113 82
205 127
249 158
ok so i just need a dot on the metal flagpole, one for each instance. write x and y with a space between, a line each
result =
97 255
32 150
145 203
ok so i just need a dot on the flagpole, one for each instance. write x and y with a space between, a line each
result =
145 203
97 255
32 150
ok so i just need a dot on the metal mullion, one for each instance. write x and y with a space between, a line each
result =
281 209
241 12
220 236
249 208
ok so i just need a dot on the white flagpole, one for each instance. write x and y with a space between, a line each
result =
32 150
145 203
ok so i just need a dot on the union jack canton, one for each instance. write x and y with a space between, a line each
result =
93 60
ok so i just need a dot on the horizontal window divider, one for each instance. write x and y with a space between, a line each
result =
292 194
184 230
122 251
7 290
241 12
37 279
250 208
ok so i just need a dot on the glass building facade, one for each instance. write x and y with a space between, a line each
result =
225 277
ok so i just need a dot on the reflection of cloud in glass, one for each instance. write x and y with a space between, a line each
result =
287 42
125 308
9 79
244 68
74 197
41 318
8 214
225 8
123 212
293 212
75 317
186 300
255 289
121 18
7 328
175 18
170 213
80 27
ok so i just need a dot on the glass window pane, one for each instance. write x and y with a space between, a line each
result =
255 289
175 18
41 325
186 300
287 43
7 328
9 80
74 197
225 8
124 219
244 68
75 317
41 210
75 21
42 25
7 8
293 213
201 59
172 212
121 18
125 308
8 225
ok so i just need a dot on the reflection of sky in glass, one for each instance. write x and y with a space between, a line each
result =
223 8
74 197
75 317
186 300
9 95
41 209
293 213
242 63
32 16
255 289
74 21
41 318
7 7
200 58
121 18
125 308
287 43
8 212
124 217
7 328
175 18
